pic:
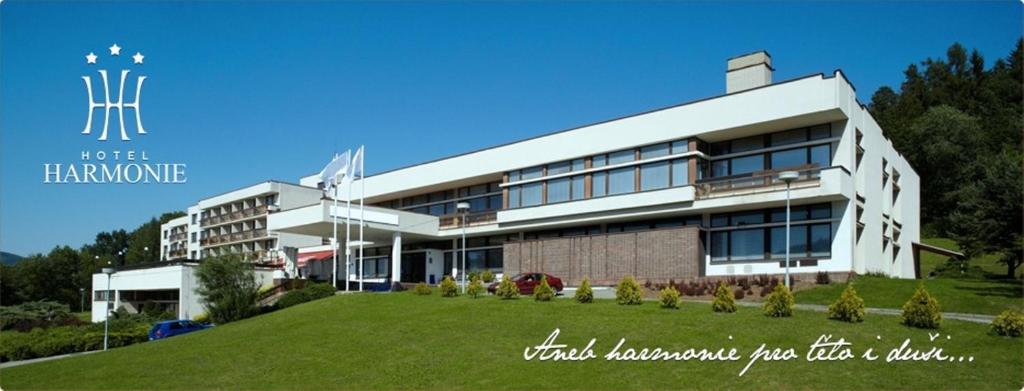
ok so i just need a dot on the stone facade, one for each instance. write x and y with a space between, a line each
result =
656 255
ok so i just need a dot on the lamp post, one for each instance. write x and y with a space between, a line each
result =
109 271
463 208
788 177
81 293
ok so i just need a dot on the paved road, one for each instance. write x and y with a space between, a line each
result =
609 293
10 364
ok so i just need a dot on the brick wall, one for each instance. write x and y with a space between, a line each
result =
656 255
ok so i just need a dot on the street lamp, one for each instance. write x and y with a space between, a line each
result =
788 177
81 293
106 318
463 208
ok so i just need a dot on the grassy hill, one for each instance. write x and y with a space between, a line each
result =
387 341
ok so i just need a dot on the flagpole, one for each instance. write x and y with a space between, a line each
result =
362 220
334 243
348 231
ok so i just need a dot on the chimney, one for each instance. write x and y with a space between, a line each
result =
748 71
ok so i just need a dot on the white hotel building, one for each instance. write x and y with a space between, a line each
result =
680 192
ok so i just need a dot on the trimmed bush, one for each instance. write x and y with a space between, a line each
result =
584 294
669 298
779 303
739 294
922 310
448 288
487 276
422 289
507 289
849 307
822 278
1010 323
29 315
309 293
724 300
475 288
543 291
627 292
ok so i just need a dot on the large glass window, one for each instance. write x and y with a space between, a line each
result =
558 190
513 197
746 164
559 168
789 158
653 151
533 172
821 155
789 137
719 246
621 181
600 184
654 176
720 168
599 161
531 194
577 187
797 241
621 157
747 144
821 240
680 172
746 244
680 146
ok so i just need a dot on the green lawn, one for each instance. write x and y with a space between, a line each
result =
976 296
387 341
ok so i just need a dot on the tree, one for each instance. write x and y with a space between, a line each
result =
227 287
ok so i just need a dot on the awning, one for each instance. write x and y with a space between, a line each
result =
305 258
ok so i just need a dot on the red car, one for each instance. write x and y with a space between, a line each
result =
527 281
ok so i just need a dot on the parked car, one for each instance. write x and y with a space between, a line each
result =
527 281
171 328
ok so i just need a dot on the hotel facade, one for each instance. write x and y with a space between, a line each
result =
682 192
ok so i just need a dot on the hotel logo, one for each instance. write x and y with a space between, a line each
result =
120 105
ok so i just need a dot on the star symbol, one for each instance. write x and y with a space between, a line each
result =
138 57
115 50
90 58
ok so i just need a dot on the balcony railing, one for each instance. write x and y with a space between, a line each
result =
472 219
759 181
234 237
233 216
177 237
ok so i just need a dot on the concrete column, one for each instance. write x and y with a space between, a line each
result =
396 256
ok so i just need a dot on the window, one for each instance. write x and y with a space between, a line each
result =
747 244
531 194
577 187
747 144
789 137
680 172
513 176
746 164
600 184
599 161
654 176
621 181
193 237
195 217
513 197
165 234
821 240
789 158
720 168
653 151
761 234
532 173
821 131
558 190
797 241
559 168
680 146
821 155
621 157
719 241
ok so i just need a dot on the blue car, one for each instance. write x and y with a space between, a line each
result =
171 328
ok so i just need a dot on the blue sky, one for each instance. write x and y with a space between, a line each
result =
248 92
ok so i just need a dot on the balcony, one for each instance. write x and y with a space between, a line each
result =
234 237
756 182
472 219
177 237
233 216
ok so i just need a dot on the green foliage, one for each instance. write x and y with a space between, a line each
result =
422 289
779 303
227 288
669 298
39 342
849 307
922 310
29 315
202 317
584 294
507 289
724 300
475 288
628 292
487 276
543 291
449 288
950 108
309 293
1010 323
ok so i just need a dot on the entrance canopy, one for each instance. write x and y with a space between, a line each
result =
379 224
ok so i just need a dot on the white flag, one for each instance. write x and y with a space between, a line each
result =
339 165
356 169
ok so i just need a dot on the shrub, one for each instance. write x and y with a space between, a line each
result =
320 291
724 300
739 294
669 298
584 294
202 317
507 289
922 310
779 303
448 288
29 315
422 289
849 307
291 298
227 288
475 288
487 276
473 275
543 291
1009 323
628 292
822 278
